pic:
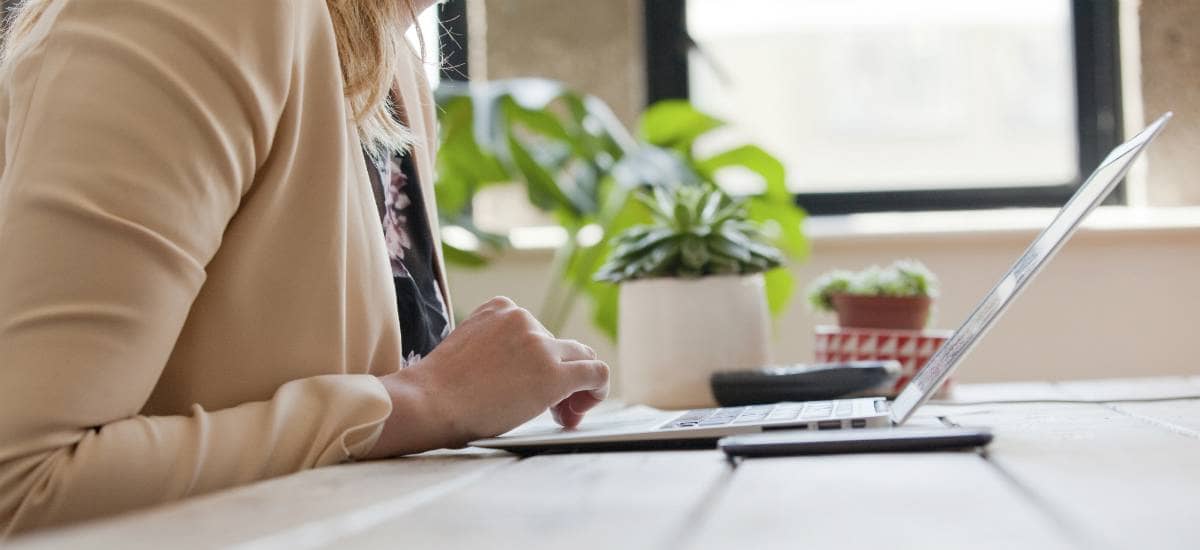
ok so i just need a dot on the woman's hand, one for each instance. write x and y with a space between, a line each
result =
497 369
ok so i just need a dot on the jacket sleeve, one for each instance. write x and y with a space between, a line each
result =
133 129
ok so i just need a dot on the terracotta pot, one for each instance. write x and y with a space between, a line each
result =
892 312
674 333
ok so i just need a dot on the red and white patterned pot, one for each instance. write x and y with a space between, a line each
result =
911 348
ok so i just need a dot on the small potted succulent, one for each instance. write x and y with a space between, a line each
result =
895 297
882 314
692 296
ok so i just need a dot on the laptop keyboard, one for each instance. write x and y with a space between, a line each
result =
810 410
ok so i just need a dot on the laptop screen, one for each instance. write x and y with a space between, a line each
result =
1093 191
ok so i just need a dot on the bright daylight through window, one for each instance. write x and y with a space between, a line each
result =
879 95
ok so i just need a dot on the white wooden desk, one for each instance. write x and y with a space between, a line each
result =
1058 475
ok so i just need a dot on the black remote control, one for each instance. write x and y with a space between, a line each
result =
800 382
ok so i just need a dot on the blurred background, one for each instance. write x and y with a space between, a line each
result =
942 130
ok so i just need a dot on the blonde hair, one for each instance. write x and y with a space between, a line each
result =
370 41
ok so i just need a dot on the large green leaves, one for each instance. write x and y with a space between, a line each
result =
578 163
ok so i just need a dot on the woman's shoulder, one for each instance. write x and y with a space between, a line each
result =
257 35
230 67
258 49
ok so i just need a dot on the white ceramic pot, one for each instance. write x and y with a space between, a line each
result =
674 333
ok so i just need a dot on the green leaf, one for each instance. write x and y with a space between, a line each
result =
648 165
676 124
663 203
653 236
605 304
769 253
543 191
693 253
490 100
462 167
780 286
735 237
710 206
822 289
726 247
462 258
724 266
790 221
733 210
755 159
652 262
683 218
540 121
627 254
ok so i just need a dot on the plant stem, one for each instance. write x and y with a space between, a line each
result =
551 303
566 305
586 265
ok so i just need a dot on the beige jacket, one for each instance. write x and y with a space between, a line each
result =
194 288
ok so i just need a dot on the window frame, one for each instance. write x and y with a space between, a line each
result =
1098 113
455 58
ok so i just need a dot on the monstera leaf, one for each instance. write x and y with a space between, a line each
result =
579 164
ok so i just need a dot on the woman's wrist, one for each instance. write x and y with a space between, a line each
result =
417 423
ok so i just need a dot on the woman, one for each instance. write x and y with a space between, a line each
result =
194 280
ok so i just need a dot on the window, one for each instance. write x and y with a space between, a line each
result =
429 27
916 105
450 28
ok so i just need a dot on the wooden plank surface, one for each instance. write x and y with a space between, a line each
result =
890 501
1111 480
625 500
1180 418
1111 474
323 504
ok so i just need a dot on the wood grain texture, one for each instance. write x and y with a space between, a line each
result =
1111 474
1118 389
1174 416
283 510
891 501
1110 479
578 501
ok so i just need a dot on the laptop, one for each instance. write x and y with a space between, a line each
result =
646 428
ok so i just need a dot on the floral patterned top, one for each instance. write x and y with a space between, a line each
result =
424 321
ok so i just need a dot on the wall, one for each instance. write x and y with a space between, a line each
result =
1115 302
593 45
1170 63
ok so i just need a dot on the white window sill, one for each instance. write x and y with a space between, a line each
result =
991 223
927 225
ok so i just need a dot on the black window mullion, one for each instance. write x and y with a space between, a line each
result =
1097 83
452 40
667 47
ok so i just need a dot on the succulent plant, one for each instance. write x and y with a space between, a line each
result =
902 278
697 230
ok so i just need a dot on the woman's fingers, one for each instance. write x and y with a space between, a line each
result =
573 350
494 304
587 381
590 375
569 412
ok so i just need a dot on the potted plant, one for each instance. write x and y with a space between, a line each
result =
578 163
882 314
692 296
895 297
